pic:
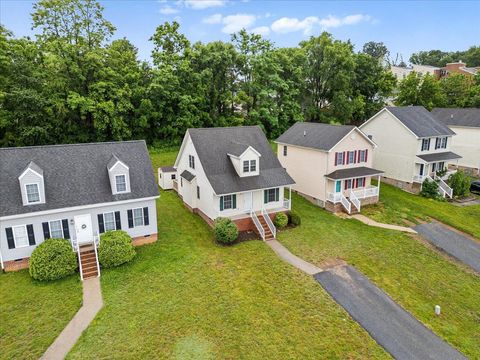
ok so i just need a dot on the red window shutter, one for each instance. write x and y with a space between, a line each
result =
345 182
336 158
343 158
366 155
356 183
355 157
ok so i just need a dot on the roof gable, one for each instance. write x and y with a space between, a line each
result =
468 117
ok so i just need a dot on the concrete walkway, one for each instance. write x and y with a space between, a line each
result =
286 255
370 222
92 303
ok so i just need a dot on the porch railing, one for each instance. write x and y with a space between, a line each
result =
286 204
447 174
269 222
446 190
419 178
366 192
96 242
258 225
346 204
354 200
334 197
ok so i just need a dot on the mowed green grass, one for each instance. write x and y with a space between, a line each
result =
397 205
185 297
414 274
32 314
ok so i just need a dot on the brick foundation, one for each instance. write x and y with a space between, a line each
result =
16 265
335 208
369 200
142 240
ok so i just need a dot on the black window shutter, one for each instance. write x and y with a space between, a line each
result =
46 231
130 218
146 221
31 235
221 203
265 196
10 240
234 200
118 222
101 226
66 230
277 194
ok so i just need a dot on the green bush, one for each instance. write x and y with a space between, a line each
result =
280 220
460 183
53 259
294 218
226 232
115 248
430 190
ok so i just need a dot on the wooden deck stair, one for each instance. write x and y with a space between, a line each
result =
90 267
268 233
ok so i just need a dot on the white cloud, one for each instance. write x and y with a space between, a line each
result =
168 10
213 19
286 24
261 30
234 23
203 4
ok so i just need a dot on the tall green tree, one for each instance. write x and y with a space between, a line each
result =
416 89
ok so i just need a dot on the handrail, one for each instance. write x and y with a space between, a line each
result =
259 226
79 261
346 204
95 240
444 186
354 200
272 227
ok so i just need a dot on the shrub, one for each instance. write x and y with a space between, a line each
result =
280 220
53 259
460 183
430 189
226 232
115 248
294 218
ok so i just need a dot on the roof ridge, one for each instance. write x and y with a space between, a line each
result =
226 127
75 144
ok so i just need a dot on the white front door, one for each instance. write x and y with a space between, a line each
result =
247 201
83 228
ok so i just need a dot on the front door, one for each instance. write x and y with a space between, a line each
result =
338 186
83 228
247 201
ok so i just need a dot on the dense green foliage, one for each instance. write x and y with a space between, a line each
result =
460 183
440 58
226 232
430 189
73 84
280 220
294 218
53 259
115 248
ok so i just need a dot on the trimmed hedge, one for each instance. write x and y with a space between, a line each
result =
115 248
280 220
226 232
294 218
53 259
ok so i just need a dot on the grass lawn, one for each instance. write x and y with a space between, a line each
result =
32 314
185 297
397 205
415 275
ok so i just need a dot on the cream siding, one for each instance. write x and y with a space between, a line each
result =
467 144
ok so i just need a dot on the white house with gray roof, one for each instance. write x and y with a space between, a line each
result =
465 122
412 145
75 192
331 165
232 172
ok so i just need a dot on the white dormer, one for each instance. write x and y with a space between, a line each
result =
119 174
245 160
32 185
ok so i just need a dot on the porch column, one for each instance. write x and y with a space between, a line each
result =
290 198
378 180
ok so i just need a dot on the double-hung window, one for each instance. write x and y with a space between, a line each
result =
348 184
191 161
56 229
33 193
351 157
444 143
361 182
121 183
362 155
20 235
227 202
425 144
339 158
138 217
285 150
109 221
271 195
246 166
253 165
437 143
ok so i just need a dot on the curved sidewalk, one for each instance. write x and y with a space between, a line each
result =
92 303
370 222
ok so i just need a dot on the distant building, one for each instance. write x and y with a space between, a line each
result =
456 68
402 72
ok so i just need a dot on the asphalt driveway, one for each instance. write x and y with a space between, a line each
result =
457 245
398 332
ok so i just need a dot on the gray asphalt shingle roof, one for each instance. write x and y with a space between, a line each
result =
187 175
213 145
168 169
443 156
420 121
74 175
353 173
314 135
458 117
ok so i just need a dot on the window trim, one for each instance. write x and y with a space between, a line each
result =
105 222
61 227
116 184
15 236
37 184
191 161
142 217
340 158
231 202
362 156
352 160
254 167
246 166
427 142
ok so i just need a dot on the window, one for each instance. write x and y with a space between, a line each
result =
425 144
56 229
271 195
173 176
227 202
363 155
138 217
121 183
253 165
339 158
348 184
181 181
437 143
351 157
198 192
444 143
284 150
33 194
434 167
191 161
246 166
441 166
109 221
21 236
361 182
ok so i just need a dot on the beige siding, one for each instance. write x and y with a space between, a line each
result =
467 144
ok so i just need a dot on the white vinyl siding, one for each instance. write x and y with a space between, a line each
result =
121 183
109 221
33 193
138 217
20 236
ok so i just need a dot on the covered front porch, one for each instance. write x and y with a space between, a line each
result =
430 165
352 187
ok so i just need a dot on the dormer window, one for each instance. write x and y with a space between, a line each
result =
121 183
33 193
249 166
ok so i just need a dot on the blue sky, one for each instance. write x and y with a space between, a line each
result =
404 26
